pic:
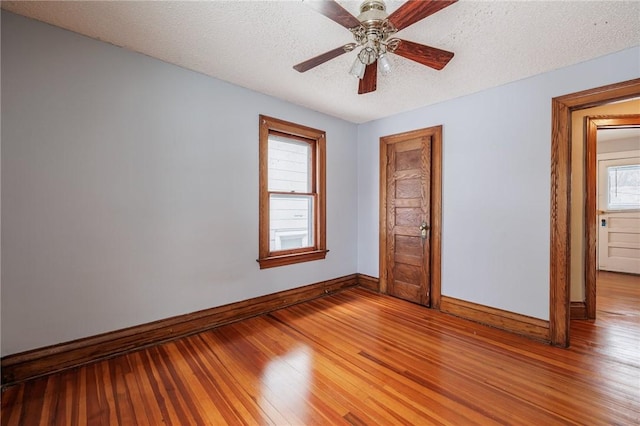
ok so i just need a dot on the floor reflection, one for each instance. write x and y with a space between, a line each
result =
286 383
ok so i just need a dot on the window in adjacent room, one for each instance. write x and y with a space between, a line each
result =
623 187
292 193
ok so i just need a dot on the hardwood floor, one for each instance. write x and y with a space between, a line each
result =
358 358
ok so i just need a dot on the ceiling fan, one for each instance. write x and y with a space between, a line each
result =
372 30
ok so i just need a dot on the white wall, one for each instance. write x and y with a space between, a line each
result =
130 189
496 184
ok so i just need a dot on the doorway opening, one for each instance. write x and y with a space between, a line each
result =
612 205
559 277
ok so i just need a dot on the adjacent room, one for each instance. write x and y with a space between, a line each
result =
320 212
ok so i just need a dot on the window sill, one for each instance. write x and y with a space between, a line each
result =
290 259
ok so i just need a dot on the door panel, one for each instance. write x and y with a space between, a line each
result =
408 216
408 188
407 273
619 242
407 262
408 246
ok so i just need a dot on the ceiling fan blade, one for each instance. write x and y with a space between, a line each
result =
369 82
333 11
321 59
414 10
425 55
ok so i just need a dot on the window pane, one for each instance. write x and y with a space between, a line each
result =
624 187
290 221
289 165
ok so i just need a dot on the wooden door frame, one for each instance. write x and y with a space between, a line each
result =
435 134
559 274
593 124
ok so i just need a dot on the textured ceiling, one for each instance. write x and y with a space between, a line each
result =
254 44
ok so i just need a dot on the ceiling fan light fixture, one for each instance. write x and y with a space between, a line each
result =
368 55
357 69
384 65
372 33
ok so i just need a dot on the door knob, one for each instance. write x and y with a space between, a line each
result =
423 230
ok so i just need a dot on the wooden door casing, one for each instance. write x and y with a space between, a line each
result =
560 211
410 194
593 123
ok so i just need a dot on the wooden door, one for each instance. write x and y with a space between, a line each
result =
619 219
407 224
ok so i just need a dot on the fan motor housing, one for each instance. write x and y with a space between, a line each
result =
372 12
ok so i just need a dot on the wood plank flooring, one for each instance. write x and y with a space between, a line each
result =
358 358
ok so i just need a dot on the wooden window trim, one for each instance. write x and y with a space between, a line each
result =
266 257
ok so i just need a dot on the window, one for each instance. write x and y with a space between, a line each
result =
623 187
292 193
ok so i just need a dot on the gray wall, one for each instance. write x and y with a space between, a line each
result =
130 189
496 184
